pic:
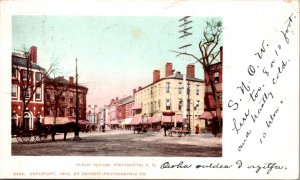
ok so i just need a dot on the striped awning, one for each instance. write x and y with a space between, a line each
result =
168 119
178 118
137 119
81 121
208 115
126 121
59 120
114 122
155 119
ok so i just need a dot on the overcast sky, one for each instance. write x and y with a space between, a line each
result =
115 54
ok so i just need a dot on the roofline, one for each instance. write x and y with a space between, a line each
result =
169 77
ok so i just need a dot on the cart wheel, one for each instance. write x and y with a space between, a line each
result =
43 137
34 138
19 139
26 138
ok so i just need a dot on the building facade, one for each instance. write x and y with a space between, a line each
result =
27 89
166 95
60 99
216 72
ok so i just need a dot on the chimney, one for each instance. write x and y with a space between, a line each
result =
190 71
140 87
221 54
133 92
33 54
71 80
156 75
169 69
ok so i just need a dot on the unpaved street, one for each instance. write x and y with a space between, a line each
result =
124 143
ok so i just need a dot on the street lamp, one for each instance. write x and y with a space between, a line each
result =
93 107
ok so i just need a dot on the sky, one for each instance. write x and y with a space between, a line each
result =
115 53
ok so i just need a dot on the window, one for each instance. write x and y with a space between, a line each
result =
168 104
71 97
38 93
14 72
27 93
72 111
14 88
37 77
180 104
25 74
48 109
158 103
197 104
180 88
197 89
167 87
62 111
48 95
216 75
63 96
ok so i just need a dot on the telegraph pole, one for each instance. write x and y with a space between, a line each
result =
76 137
185 33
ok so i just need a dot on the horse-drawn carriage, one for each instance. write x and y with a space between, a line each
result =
30 135
139 129
40 133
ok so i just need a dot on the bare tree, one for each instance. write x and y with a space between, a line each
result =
209 50
25 67
58 86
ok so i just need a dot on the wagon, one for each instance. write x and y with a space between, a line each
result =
31 136
180 132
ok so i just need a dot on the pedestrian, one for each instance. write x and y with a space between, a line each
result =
197 129
37 123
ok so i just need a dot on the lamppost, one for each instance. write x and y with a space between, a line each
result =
93 107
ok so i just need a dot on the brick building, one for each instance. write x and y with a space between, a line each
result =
216 70
60 100
27 89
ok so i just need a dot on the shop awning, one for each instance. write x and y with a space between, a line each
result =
59 120
155 119
114 122
178 118
168 119
137 119
80 121
126 121
208 115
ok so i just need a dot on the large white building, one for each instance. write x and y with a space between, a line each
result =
166 95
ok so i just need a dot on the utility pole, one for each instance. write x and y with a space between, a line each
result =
76 137
185 33
189 106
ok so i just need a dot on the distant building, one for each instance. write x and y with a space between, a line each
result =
24 64
125 113
112 118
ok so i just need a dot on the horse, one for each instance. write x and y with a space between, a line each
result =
62 128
